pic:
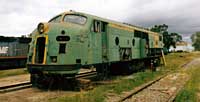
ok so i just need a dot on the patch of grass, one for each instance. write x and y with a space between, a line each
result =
12 72
96 95
189 92
186 95
175 60
99 93
139 78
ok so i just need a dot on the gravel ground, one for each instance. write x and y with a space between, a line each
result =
27 95
191 64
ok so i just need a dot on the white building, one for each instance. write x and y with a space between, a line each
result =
182 46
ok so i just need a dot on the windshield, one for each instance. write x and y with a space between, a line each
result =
56 19
75 19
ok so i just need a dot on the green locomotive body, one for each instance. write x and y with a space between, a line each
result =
74 40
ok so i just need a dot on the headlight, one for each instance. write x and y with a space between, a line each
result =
42 27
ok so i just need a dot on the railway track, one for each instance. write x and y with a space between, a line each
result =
139 89
27 84
146 85
162 89
15 87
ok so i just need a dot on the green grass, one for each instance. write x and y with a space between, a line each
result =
192 87
175 60
99 93
12 72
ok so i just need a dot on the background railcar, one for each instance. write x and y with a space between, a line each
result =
13 52
74 40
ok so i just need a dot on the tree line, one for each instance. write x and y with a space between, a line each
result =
196 41
169 39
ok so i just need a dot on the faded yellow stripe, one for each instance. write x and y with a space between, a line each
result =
131 29
121 27
34 52
33 58
156 39
45 50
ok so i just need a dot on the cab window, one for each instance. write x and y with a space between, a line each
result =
56 19
77 19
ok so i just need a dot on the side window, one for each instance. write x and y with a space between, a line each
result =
117 41
137 34
140 34
133 42
99 26
96 26
160 38
103 27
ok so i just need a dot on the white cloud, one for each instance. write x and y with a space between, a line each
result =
19 17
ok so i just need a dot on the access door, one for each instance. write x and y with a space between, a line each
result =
97 51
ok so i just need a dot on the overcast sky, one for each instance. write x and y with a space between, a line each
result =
20 17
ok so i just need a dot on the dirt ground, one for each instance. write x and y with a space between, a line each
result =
33 95
24 78
14 79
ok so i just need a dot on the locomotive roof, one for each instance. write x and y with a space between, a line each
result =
112 21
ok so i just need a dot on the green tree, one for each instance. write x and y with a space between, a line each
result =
169 39
196 41
175 37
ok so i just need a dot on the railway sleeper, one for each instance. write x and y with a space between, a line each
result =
60 83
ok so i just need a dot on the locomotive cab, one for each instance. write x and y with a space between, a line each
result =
56 47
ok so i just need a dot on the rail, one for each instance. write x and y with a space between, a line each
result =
139 89
15 87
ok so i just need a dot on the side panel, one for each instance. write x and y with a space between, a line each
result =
142 48
136 49
151 41
113 49
104 46
95 48
120 43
